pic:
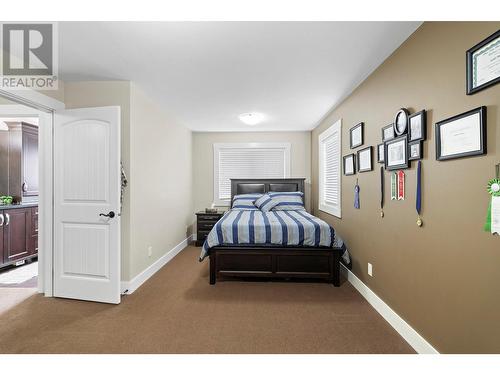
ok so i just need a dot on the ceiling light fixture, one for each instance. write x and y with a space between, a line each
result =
251 118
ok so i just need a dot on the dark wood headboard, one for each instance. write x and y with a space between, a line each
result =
264 185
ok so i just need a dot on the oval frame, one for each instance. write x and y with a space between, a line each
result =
405 112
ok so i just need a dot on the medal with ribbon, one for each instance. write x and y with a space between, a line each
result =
418 197
356 195
401 185
394 186
492 223
381 191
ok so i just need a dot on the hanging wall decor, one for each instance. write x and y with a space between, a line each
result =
349 165
356 135
380 153
483 69
394 186
415 150
401 122
381 191
493 218
418 196
396 153
365 159
417 126
356 195
387 132
401 185
461 135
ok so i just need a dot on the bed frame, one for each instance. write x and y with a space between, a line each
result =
273 261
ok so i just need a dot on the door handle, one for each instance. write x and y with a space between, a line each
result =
25 187
110 214
2 220
7 216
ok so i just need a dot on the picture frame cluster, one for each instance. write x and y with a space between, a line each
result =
402 141
363 159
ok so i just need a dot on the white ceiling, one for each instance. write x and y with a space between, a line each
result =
206 74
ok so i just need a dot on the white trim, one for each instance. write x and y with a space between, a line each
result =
32 98
218 146
411 336
129 287
45 203
322 205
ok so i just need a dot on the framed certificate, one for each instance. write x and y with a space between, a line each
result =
415 150
365 159
417 126
356 135
380 153
461 135
387 132
396 153
349 165
483 64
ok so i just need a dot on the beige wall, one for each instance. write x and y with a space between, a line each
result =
161 181
203 160
107 93
443 278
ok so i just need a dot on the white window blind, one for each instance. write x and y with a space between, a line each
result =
247 160
330 149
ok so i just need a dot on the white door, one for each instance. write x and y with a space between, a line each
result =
87 187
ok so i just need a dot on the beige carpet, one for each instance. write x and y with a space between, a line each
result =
177 311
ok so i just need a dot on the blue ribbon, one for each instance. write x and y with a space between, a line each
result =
356 196
418 205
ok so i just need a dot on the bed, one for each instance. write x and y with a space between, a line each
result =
247 242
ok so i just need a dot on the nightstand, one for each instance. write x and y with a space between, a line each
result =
204 224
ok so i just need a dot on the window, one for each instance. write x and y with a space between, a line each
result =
330 147
247 160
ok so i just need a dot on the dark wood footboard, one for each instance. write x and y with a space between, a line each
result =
323 263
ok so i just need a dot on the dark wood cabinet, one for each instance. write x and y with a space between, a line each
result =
16 237
204 224
2 223
34 231
18 234
19 151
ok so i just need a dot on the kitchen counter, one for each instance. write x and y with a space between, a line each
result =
14 206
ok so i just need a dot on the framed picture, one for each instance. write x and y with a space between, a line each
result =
356 135
365 159
396 153
387 132
349 165
415 150
483 64
461 135
401 122
380 153
417 126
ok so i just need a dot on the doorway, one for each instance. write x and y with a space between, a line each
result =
79 197
20 275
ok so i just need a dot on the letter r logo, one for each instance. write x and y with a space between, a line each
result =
28 49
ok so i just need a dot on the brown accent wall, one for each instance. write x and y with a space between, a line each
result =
442 278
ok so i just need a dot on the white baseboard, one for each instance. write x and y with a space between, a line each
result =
194 237
129 287
413 338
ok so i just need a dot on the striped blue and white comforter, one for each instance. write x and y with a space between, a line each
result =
288 228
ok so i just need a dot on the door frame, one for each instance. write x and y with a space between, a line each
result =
44 107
